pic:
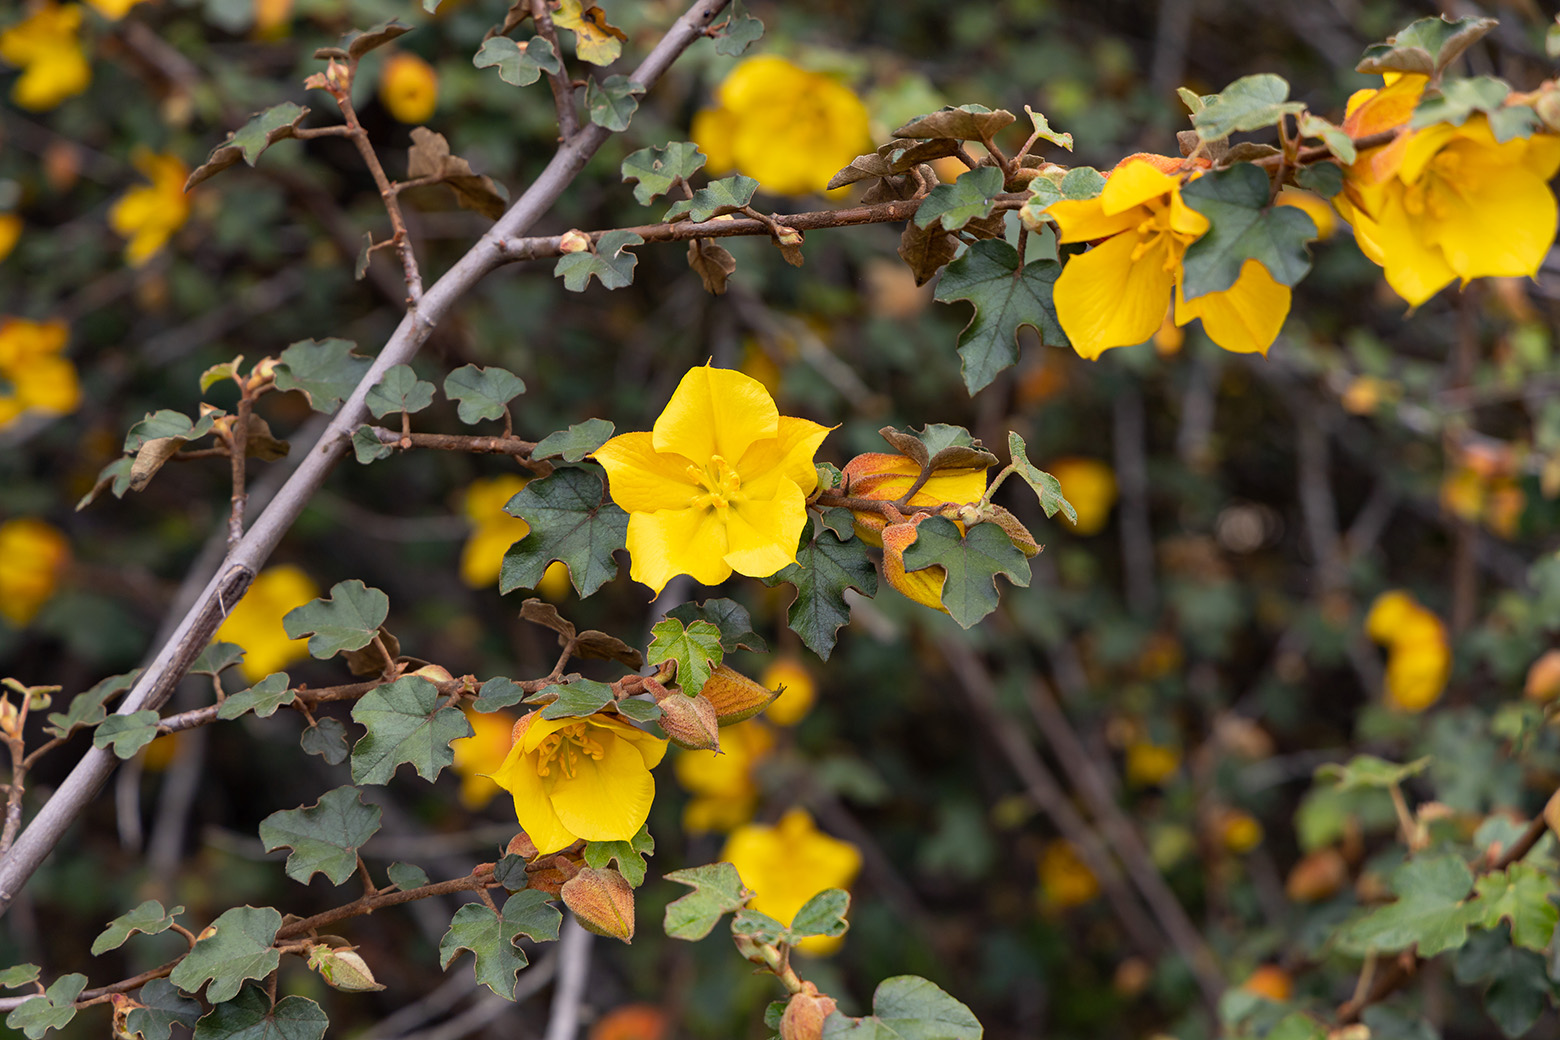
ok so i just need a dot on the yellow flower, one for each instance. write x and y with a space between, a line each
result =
148 215
789 863
1065 880
790 129
46 48
1238 831
491 737
113 10
798 695
10 232
273 18
409 88
1090 485
255 623
575 779
1116 294
1150 764
1419 655
719 485
32 375
884 477
1446 201
722 784
33 555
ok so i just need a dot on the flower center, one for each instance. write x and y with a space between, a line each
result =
564 748
1155 232
720 483
1444 184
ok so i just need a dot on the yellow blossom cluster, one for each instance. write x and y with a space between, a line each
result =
33 375
33 556
786 127
149 214
46 46
1419 655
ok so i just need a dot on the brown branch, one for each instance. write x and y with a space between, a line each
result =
562 86
519 448
387 194
238 448
14 790
477 880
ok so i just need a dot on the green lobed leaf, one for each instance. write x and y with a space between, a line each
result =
483 393
347 619
399 391
250 1016
716 197
1047 487
113 477
741 32
730 617
907 1007
1457 100
1523 895
19 975
248 141
1334 137
610 262
823 914
324 837
127 734
841 521
1042 128
968 198
639 710
167 424
573 444
509 871
972 563
825 567
1426 46
696 649
1516 984
407 876
238 948
1250 103
217 658
717 891
491 937
519 65
1080 182
960 123
658 169
498 692
571 520
367 446
359 42
326 738
149 918
1242 226
407 721
53 1009
326 371
987 275
611 101
263 698
1365 771
574 700
1325 178
88 707
630 855
1430 912
163 1009
759 927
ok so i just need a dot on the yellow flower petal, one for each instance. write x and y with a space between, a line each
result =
715 411
1246 317
533 808
1133 183
677 541
788 456
1415 269
1105 298
1506 227
644 480
1084 220
762 535
607 799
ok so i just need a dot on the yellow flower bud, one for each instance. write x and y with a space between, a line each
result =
690 722
805 1013
734 696
574 241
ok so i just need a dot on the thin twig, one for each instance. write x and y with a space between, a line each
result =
573 966
562 86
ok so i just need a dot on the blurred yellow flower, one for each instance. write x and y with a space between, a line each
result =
33 377
722 784
1419 655
1270 981
580 778
255 623
480 754
1446 202
46 47
113 10
1090 485
409 88
10 232
1494 499
1238 831
789 863
796 699
148 215
33 556
1065 880
272 18
719 485
790 129
1150 764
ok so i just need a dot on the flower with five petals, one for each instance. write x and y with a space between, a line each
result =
719 485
